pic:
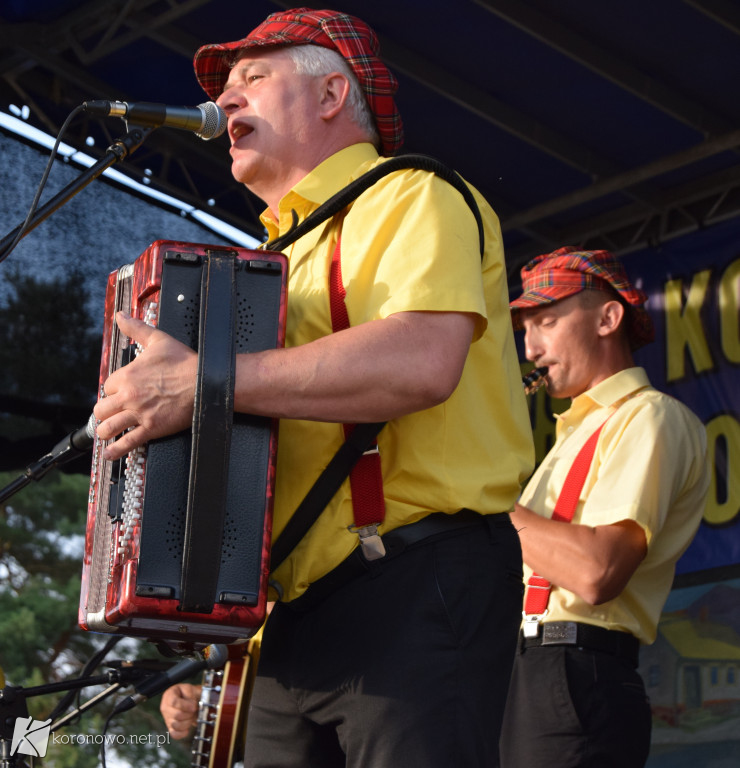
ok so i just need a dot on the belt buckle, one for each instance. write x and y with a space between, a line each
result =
560 633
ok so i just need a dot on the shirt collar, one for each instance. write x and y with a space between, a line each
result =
605 394
319 185
617 387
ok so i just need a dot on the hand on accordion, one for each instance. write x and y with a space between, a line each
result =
152 396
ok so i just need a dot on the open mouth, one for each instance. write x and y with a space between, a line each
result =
239 130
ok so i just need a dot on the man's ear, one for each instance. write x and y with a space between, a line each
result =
334 92
612 315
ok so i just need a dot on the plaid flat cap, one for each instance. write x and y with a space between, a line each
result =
340 32
567 271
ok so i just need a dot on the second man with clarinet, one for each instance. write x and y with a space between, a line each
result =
602 522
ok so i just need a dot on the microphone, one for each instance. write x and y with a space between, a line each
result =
212 657
207 120
75 444
81 440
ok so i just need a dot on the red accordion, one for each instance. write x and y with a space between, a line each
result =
178 534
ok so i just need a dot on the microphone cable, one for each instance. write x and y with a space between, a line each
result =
91 664
35 203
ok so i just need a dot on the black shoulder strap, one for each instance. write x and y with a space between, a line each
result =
330 480
323 490
355 188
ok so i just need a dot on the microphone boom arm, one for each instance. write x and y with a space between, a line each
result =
74 444
116 152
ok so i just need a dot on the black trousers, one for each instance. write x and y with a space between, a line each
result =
571 707
405 666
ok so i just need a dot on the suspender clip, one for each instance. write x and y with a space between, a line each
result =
370 541
532 621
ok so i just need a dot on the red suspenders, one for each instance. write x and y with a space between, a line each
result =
366 479
538 589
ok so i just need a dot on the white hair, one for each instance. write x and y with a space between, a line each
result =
315 60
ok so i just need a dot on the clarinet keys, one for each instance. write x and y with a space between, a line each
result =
534 380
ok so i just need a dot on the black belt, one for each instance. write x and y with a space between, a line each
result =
429 528
621 644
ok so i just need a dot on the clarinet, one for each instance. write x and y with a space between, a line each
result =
534 380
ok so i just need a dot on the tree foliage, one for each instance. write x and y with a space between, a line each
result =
41 546
49 348
49 361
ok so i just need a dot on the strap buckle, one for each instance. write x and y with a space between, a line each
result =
532 621
370 541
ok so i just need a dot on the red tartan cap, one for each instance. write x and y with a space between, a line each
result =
568 271
340 32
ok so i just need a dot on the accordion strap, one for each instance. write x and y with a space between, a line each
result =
212 426
354 189
323 490
357 457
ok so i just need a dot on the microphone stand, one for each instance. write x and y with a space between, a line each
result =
13 699
13 703
116 152
75 443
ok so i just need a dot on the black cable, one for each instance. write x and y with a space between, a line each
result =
68 699
42 183
102 744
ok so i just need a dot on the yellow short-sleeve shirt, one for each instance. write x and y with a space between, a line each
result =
410 243
650 466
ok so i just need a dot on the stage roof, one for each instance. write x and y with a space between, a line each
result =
601 124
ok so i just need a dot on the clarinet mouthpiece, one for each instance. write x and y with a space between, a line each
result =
534 380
